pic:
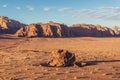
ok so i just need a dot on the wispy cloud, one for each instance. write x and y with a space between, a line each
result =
66 9
5 5
18 8
30 8
111 13
48 8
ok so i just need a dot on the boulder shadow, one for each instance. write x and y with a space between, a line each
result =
91 63
82 64
45 64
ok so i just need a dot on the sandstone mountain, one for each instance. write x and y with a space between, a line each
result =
78 30
117 30
9 26
52 29
49 29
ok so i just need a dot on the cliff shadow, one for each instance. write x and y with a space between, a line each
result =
2 36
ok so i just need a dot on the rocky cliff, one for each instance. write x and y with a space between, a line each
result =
117 30
9 26
49 29
52 29
78 30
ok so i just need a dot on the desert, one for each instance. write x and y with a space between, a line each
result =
59 39
21 58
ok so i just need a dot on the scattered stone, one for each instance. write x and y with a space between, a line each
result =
56 69
76 65
75 77
83 64
14 79
80 64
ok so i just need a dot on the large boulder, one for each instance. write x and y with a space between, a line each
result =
9 26
61 58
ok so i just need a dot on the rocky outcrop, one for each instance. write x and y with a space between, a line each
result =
9 26
89 30
50 29
31 30
117 30
61 58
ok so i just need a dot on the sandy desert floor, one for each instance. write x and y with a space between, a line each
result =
20 58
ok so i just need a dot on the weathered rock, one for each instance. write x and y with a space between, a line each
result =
50 29
32 30
78 30
62 58
9 26
117 30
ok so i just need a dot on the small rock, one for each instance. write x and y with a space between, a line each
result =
83 64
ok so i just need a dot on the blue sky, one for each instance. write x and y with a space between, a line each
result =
103 12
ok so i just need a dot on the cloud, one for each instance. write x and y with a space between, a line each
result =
48 8
5 5
75 10
18 8
30 8
66 9
109 13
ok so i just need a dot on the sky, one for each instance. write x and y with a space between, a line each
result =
103 12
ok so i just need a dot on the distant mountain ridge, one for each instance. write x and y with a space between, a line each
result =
9 26
52 29
78 30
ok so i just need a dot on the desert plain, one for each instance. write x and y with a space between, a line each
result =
21 58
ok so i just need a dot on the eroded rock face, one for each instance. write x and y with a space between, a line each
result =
31 30
50 29
117 30
9 26
61 58
89 30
